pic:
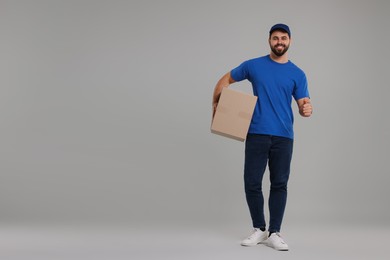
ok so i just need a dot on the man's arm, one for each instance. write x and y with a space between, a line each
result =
305 107
224 82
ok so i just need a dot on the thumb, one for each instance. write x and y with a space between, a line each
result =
306 100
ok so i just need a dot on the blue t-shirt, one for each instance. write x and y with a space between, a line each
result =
274 84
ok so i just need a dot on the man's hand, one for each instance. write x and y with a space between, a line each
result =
305 107
224 82
214 108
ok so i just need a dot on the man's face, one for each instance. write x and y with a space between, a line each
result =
279 42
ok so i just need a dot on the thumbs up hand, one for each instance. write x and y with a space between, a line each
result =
305 108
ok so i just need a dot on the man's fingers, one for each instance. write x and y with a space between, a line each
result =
307 108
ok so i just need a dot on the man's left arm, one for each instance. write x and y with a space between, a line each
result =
305 107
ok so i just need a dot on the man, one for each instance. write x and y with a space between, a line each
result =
275 80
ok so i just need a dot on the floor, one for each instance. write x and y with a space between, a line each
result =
80 242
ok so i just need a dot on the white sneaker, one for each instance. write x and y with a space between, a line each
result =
257 237
276 242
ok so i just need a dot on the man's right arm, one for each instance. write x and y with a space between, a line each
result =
224 82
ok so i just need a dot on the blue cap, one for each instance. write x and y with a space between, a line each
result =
282 27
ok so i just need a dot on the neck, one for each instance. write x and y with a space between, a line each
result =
279 59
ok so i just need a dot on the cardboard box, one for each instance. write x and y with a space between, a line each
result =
234 114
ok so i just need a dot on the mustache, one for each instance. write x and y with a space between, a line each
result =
282 45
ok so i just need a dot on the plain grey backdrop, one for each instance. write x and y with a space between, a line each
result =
105 111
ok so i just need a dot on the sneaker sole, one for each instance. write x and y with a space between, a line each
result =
261 242
278 249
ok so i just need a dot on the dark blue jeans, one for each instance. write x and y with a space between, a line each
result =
277 152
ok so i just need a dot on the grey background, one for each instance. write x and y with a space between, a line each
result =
105 111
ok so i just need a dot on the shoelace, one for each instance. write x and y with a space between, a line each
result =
253 234
281 238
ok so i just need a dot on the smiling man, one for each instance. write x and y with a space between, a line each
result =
275 81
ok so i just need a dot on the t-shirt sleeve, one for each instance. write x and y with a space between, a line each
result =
301 89
241 72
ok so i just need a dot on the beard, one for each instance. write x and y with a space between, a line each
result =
279 52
